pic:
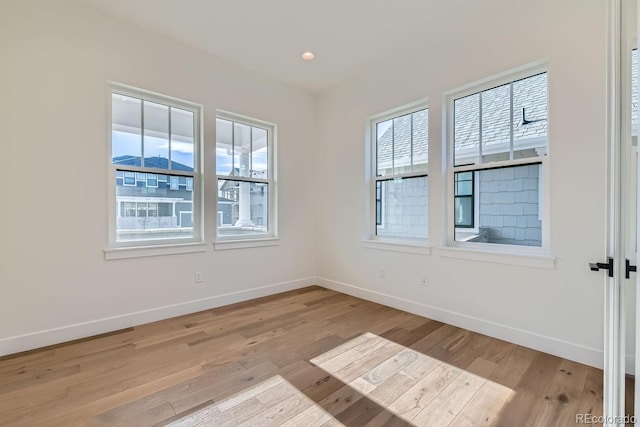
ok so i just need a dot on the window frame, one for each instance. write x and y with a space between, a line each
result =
140 248
372 239
251 239
449 97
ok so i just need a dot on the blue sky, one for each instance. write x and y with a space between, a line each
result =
129 144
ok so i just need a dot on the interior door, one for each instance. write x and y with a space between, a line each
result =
629 182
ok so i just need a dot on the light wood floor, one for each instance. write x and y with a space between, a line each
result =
350 361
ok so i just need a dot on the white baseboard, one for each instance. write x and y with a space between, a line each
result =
48 337
546 344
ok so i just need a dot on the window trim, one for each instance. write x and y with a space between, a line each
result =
141 248
448 98
371 238
257 239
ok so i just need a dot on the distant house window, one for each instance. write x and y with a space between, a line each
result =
498 141
154 145
128 209
400 141
245 177
152 180
464 200
129 179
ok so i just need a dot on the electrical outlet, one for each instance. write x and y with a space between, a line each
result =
423 280
198 277
381 274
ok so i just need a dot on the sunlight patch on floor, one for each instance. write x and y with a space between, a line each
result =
420 389
273 402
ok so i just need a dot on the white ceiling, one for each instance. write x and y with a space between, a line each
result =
347 36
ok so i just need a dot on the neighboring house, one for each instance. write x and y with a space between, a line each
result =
488 119
148 201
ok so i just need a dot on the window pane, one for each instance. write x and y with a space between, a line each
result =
224 147
464 211
259 153
182 142
173 183
466 129
384 148
243 207
129 179
152 180
153 212
420 140
156 135
496 122
509 207
126 137
463 187
403 208
129 209
402 144
241 149
152 209
142 209
530 117
165 209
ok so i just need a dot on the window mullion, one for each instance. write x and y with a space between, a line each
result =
480 128
142 133
511 121
393 147
243 179
169 139
233 148
411 144
499 165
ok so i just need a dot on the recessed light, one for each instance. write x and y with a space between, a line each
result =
308 56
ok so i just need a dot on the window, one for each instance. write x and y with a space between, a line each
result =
154 145
498 144
174 183
152 180
129 178
245 177
464 200
400 179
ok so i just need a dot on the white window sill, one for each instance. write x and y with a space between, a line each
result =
499 256
156 250
406 246
223 245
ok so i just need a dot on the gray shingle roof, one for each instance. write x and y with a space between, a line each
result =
529 94
397 137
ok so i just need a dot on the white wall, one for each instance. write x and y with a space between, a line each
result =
557 310
56 60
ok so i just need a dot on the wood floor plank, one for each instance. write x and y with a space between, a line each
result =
445 406
416 398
